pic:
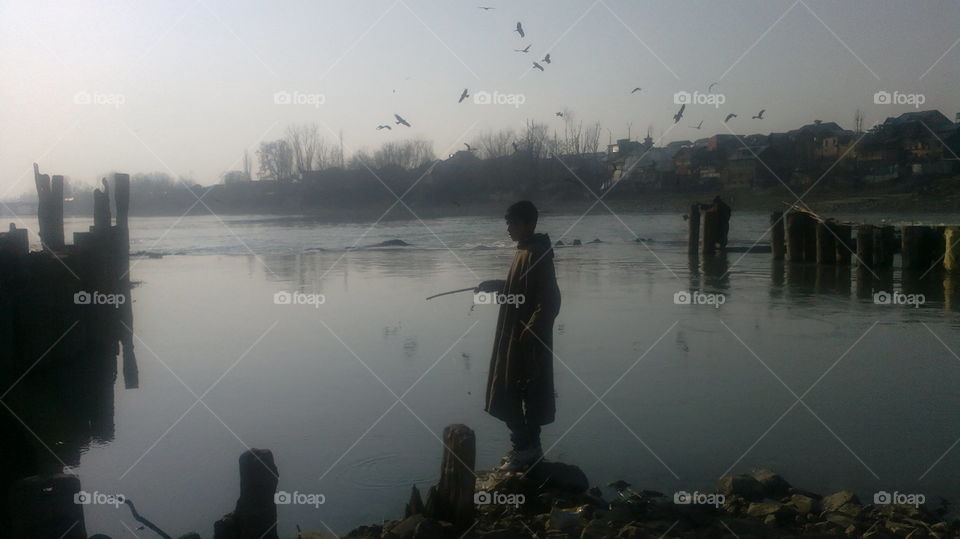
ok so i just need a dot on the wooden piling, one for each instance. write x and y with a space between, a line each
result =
914 251
794 236
826 244
884 246
844 245
255 515
809 227
865 245
452 499
101 207
777 240
55 216
710 234
951 252
693 230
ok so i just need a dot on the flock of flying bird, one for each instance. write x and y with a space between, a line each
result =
547 60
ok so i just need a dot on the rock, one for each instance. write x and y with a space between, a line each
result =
919 533
560 476
770 520
758 510
595 240
633 532
774 486
561 519
836 500
597 529
804 504
740 485
405 528
428 529
840 519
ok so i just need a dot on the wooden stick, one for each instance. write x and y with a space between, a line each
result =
450 292
144 521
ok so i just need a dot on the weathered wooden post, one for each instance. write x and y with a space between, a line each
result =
809 238
794 236
951 252
101 207
15 242
255 515
452 499
777 241
50 506
710 222
865 245
42 182
884 246
55 222
693 230
844 246
826 244
914 250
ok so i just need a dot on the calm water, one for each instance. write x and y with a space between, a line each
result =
689 392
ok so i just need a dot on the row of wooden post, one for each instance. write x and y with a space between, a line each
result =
800 237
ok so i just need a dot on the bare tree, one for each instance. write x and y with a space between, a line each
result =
304 141
406 154
276 160
533 139
494 144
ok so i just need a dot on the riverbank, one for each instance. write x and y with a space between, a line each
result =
556 500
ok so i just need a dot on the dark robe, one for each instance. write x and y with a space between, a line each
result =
520 382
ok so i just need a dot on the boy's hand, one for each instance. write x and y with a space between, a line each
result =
489 286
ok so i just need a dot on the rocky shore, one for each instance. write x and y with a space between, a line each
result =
558 502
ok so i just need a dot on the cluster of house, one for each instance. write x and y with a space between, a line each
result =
914 144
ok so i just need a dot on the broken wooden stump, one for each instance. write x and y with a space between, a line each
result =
452 498
777 241
255 515
693 230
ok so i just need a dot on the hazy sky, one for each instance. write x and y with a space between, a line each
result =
185 86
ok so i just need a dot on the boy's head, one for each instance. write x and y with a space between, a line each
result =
521 220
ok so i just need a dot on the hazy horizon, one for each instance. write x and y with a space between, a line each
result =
186 87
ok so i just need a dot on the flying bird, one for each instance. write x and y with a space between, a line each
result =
538 66
464 95
381 126
698 126
712 84
729 117
485 8
679 114
635 90
400 120
558 114
519 30
759 115
527 49
546 58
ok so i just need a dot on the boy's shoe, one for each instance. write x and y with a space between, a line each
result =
518 460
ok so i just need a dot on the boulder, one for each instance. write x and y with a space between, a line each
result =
598 529
740 485
836 500
774 486
559 476
804 504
